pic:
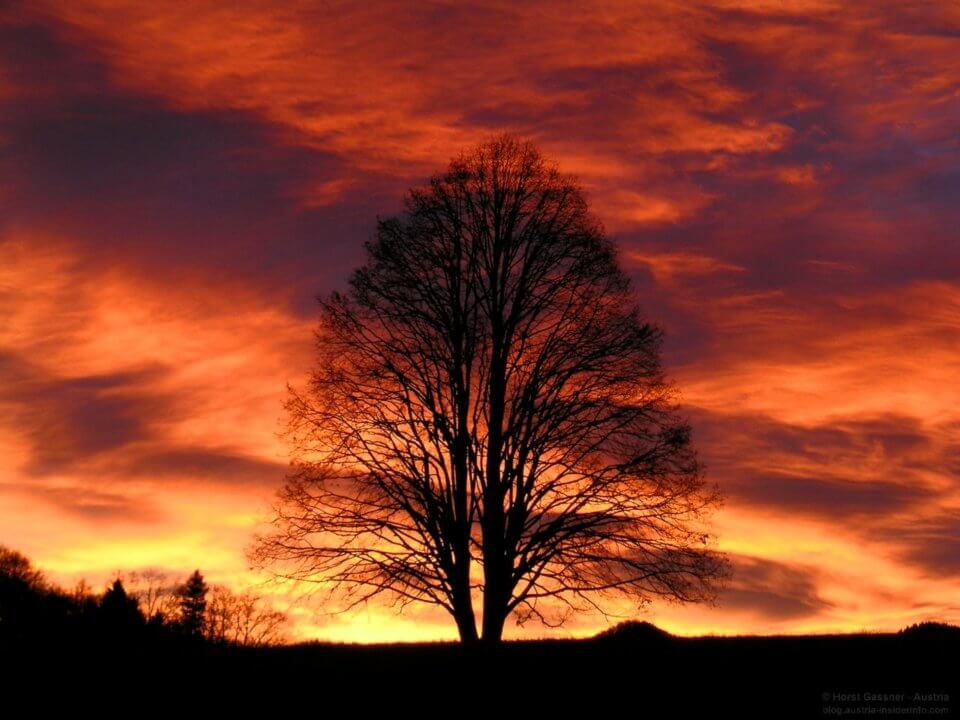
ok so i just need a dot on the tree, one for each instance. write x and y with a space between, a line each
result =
242 619
16 567
25 598
120 611
193 604
156 592
488 401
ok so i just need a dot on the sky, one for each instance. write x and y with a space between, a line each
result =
178 182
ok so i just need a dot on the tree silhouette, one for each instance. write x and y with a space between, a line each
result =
16 567
25 606
193 604
488 401
156 592
119 610
243 619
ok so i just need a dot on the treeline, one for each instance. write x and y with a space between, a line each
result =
137 608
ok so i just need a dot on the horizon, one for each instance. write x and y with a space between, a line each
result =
781 184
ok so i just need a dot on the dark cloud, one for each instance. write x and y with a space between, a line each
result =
819 471
69 421
929 542
205 465
775 590
131 179
109 424
873 152
897 437
91 504
824 498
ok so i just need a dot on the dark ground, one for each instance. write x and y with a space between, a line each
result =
636 672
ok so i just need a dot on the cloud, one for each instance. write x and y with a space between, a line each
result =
829 499
133 384
133 179
856 470
930 543
204 465
95 506
667 267
179 183
774 590
69 420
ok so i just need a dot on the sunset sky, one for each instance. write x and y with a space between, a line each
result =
178 181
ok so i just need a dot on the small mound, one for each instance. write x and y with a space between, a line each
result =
930 629
635 631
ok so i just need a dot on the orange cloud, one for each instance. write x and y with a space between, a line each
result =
781 178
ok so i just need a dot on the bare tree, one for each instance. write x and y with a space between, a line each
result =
155 591
487 400
243 618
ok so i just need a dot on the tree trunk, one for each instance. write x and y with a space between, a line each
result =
466 625
463 523
494 519
493 620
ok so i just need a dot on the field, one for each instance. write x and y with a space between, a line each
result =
638 671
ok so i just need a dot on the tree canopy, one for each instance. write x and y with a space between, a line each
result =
488 420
